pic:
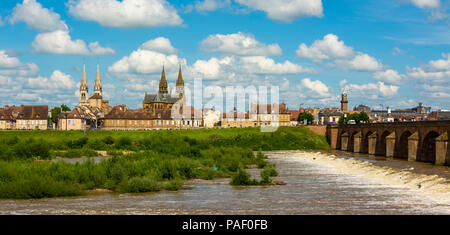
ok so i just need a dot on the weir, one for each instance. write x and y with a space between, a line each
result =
425 141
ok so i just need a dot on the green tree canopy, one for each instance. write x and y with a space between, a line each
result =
302 116
57 110
64 108
357 117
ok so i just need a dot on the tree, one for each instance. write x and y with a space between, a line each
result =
357 117
302 116
364 117
64 108
55 112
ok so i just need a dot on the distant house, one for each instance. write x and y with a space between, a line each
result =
80 118
6 119
270 114
32 117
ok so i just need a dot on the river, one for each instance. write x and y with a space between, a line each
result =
317 183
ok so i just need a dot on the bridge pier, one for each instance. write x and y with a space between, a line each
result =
413 143
357 140
441 150
390 145
344 142
372 144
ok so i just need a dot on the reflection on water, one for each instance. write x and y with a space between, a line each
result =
314 186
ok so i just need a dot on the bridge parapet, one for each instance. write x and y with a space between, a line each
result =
417 141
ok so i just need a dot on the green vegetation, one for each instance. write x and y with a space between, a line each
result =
142 161
305 116
357 117
56 111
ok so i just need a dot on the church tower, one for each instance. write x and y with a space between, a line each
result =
163 88
180 84
84 92
98 83
344 102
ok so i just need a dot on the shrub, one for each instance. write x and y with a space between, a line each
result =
96 144
78 143
124 142
174 185
32 148
139 185
108 140
242 178
266 173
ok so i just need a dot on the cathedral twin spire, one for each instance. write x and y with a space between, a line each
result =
84 87
163 87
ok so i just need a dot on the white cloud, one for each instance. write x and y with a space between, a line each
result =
37 17
286 10
436 71
1 21
212 68
426 3
146 62
389 76
160 44
313 89
440 65
239 44
361 62
372 90
7 61
60 42
264 65
328 48
126 13
11 66
96 49
58 80
207 5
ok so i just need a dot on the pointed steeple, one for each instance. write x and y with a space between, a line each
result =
180 81
98 82
180 85
84 88
163 83
83 77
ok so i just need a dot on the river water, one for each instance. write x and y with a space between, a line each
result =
316 183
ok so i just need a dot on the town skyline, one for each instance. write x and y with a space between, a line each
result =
391 62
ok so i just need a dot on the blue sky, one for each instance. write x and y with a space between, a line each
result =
390 52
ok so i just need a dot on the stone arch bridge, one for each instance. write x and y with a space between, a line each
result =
425 141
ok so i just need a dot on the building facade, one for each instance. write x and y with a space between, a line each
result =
32 117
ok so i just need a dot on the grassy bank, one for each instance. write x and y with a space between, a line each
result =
159 160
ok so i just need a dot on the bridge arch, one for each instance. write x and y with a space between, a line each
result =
401 146
428 153
365 142
351 140
381 144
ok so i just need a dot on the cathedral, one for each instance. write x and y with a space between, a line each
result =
163 101
96 99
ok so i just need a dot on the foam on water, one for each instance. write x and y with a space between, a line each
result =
431 187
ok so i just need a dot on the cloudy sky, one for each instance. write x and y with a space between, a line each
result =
383 52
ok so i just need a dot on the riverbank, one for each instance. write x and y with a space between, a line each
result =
37 164
313 187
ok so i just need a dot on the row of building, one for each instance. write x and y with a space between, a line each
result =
169 111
